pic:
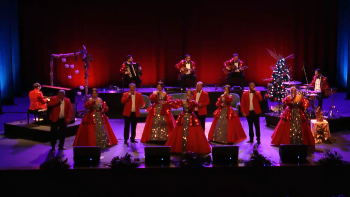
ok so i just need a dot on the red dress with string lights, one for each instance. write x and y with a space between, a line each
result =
95 129
226 126
188 134
160 121
293 127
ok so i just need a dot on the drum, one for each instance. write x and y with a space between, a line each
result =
311 96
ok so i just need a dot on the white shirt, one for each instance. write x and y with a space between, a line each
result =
236 65
318 85
251 106
133 103
188 66
197 99
62 110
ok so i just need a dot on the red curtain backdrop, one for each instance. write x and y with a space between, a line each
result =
159 33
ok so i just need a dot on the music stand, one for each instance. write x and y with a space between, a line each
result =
333 110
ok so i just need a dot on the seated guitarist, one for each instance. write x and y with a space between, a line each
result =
131 71
187 69
235 68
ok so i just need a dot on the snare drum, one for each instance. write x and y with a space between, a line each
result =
311 96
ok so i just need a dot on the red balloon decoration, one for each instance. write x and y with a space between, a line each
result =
275 99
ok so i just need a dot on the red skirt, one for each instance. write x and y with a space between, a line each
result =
86 134
196 140
235 131
146 135
281 134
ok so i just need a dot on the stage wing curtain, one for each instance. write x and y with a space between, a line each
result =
9 51
159 33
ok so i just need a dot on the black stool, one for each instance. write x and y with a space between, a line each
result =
37 113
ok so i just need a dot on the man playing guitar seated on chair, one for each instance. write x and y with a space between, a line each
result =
187 69
233 69
131 71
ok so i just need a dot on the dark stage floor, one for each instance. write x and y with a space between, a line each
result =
19 153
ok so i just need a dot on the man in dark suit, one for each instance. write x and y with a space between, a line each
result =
132 101
202 98
60 115
251 109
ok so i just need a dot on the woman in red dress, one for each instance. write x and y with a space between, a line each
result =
160 121
188 134
95 129
293 127
226 126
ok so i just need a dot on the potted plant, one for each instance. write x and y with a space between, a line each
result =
258 160
124 162
332 158
55 163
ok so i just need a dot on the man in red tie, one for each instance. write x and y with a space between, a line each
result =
251 109
202 98
132 101
61 114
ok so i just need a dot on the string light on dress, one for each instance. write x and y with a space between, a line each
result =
79 93
66 65
64 60
76 71
72 66
69 77
81 87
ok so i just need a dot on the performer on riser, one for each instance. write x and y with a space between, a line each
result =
251 109
320 83
160 121
132 101
188 134
190 66
293 127
202 98
61 114
226 126
95 129
131 71
37 100
236 72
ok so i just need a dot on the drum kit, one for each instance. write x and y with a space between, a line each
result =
307 92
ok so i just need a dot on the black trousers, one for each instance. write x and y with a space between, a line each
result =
320 99
184 79
254 119
132 119
58 131
201 119
234 75
128 80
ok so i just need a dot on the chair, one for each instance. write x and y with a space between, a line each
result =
181 96
143 112
236 104
37 113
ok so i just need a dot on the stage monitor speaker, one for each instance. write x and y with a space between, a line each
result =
236 88
225 154
86 155
157 155
293 153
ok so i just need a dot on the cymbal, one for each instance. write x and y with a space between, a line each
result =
303 87
311 95
292 83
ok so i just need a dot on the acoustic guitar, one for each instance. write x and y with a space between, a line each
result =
232 69
183 70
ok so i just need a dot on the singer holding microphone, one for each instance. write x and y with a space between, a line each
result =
226 126
132 101
160 121
188 133
250 108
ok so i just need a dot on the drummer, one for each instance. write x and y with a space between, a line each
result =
320 84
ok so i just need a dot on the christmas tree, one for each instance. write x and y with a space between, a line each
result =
276 90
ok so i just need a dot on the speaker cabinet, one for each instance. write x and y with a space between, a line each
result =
157 155
225 154
293 153
86 155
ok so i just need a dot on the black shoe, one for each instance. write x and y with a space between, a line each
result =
63 148
52 149
133 141
250 141
259 142
125 142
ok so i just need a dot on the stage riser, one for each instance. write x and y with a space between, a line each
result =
21 132
335 125
113 101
